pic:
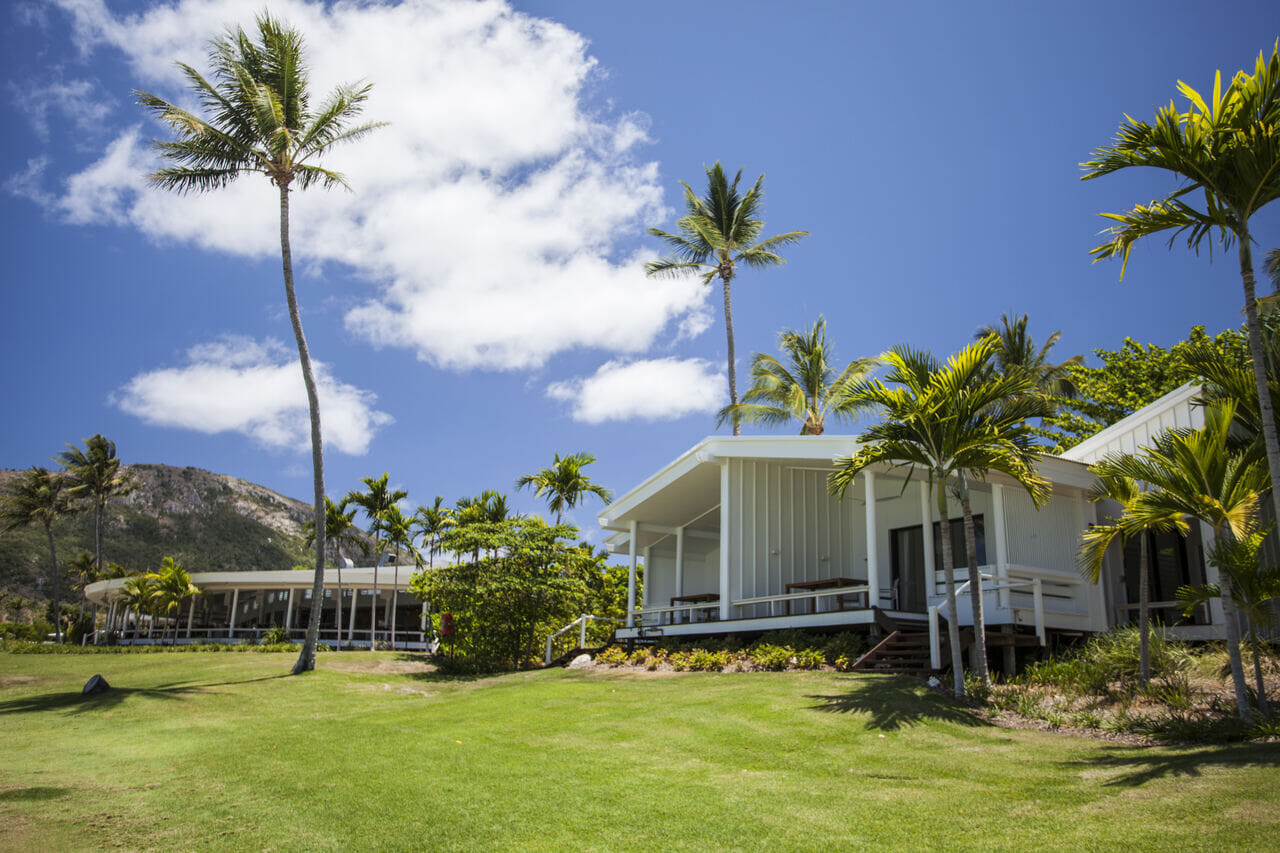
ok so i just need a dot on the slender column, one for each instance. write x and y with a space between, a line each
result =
645 595
191 616
1001 541
351 619
288 612
727 509
926 528
235 604
631 575
873 556
679 561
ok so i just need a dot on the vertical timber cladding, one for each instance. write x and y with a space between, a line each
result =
1048 538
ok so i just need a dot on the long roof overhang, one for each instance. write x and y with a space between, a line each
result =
686 491
101 592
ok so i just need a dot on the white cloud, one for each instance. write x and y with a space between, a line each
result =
495 217
653 389
254 388
79 101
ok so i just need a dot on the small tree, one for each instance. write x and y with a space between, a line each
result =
39 496
564 484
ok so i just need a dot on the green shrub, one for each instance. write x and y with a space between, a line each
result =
808 659
771 657
275 635
846 644
612 656
702 660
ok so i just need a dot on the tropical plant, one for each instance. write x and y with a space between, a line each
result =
39 496
398 530
1226 148
84 571
260 119
944 421
340 529
376 503
96 475
717 233
1134 522
564 484
172 586
1253 588
1199 475
431 523
1015 352
139 592
806 388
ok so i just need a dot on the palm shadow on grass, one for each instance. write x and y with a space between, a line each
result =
1139 765
894 703
75 702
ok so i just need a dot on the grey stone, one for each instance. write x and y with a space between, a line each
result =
582 661
97 684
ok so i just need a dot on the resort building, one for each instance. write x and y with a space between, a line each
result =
740 534
243 606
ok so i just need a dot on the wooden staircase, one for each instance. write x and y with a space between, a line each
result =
903 652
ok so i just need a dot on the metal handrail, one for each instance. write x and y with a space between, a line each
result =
581 621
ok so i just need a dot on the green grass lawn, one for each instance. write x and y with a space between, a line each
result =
225 752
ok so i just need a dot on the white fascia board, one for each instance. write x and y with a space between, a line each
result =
1177 397
612 516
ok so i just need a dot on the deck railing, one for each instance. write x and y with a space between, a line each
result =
581 624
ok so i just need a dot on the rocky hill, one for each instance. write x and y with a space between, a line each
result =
205 521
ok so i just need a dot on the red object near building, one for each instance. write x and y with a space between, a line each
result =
446 624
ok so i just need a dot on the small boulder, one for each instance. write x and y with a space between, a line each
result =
95 685
582 661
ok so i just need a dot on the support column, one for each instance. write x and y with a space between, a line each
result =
288 612
873 556
631 575
999 533
926 529
648 567
235 604
679 561
191 616
726 514
351 618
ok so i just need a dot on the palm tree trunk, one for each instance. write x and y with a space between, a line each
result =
57 586
1232 630
307 658
373 608
975 586
1258 355
337 562
948 569
733 372
1255 643
1144 614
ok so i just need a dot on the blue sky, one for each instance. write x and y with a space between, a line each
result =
477 302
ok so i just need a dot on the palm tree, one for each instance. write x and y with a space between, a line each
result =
1253 588
260 120
398 529
431 522
805 389
947 420
1016 352
564 484
138 592
95 473
172 587
340 529
717 233
376 503
1199 475
1228 149
39 496
84 569
1133 522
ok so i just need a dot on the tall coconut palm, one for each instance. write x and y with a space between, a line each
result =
1199 475
564 485
340 529
258 118
38 496
945 420
1226 149
1015 351
430 523
376 503
718 232
806 388
398 530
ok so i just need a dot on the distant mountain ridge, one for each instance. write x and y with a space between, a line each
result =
205 521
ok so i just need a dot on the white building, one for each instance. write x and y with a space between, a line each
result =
741 535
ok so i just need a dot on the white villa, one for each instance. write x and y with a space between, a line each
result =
740 535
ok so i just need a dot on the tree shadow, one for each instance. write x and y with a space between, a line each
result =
896 702
75 702
1142 764
31 795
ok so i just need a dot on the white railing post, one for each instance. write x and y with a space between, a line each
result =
582 636
549 641
1037 591
631 574
935 640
